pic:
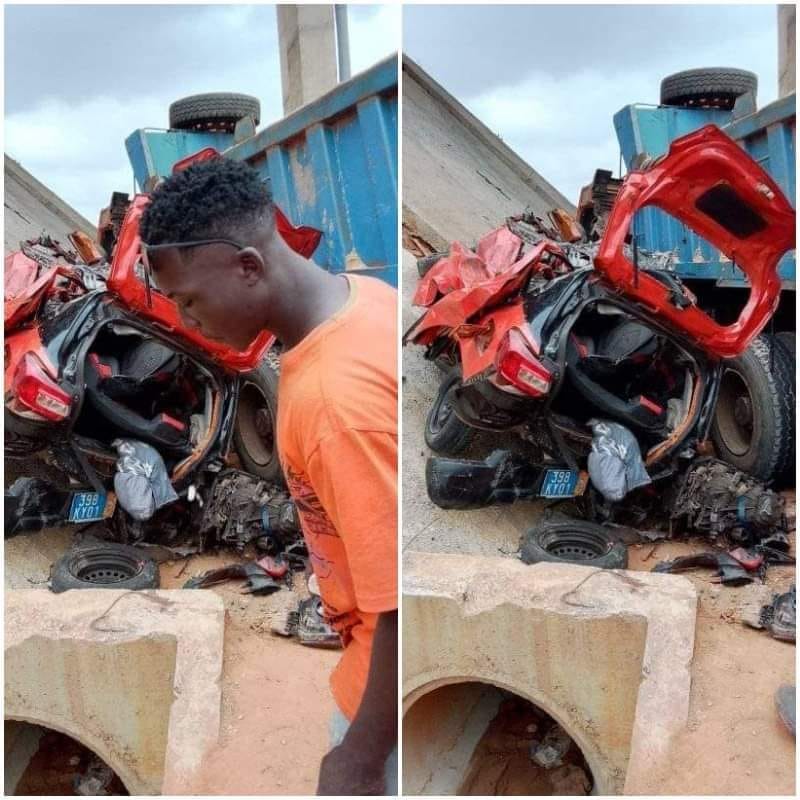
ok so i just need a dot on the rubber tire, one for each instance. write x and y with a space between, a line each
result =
773 392
425 264
215 110
23 438
539 540
788 340
265 377
454 436
692 87
63 573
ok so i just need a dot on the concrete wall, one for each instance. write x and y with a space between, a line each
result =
31 208
133 676
786 49
607 654
460 179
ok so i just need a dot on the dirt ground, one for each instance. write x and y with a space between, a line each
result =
734 744
275 698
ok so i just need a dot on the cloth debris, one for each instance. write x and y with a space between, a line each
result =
142 483
615 462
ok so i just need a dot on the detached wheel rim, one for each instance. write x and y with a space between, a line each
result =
256 425
575 545
104 569
736 414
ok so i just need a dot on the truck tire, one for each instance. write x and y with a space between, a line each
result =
216 111
787 340
445 433
707 87
104 566
753 425
255 429
573 541
426 263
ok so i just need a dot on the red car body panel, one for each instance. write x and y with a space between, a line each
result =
464 291
131 290
697 165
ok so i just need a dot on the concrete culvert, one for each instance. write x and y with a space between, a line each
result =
476 739
42 761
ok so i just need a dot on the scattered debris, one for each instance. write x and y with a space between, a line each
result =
307 622
550 752
778 617
718 499
731 570
786 703
96 780
526 752
259 582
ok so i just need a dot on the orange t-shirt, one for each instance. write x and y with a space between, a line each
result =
337 439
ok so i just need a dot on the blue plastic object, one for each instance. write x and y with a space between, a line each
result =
332 164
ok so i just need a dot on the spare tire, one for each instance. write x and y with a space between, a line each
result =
215 111
104 566
753 426
573 541
707 87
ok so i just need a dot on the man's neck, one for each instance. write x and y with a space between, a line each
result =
316 296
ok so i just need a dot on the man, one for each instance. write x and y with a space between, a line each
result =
337 424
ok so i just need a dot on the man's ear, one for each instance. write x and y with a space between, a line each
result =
252 265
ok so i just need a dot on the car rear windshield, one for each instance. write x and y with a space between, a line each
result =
727 209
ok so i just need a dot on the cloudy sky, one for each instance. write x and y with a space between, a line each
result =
80 79
548 79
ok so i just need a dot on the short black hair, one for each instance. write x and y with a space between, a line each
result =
210 199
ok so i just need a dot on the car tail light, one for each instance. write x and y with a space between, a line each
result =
36 390
517 364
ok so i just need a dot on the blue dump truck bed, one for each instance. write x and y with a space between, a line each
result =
767 135
332 164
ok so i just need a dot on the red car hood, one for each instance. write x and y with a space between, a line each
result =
706 181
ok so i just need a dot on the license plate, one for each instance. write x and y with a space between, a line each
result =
562 483
91 506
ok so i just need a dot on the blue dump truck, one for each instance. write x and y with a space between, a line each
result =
768 135
331 165
755 420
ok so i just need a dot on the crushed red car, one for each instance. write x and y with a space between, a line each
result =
570 343
95 356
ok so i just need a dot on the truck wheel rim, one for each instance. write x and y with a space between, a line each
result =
256 425
736 413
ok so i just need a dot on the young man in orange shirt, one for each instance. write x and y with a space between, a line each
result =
337 425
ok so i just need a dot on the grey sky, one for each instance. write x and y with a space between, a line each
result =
80 79
548 79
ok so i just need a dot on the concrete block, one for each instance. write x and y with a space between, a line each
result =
134 676
606 653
